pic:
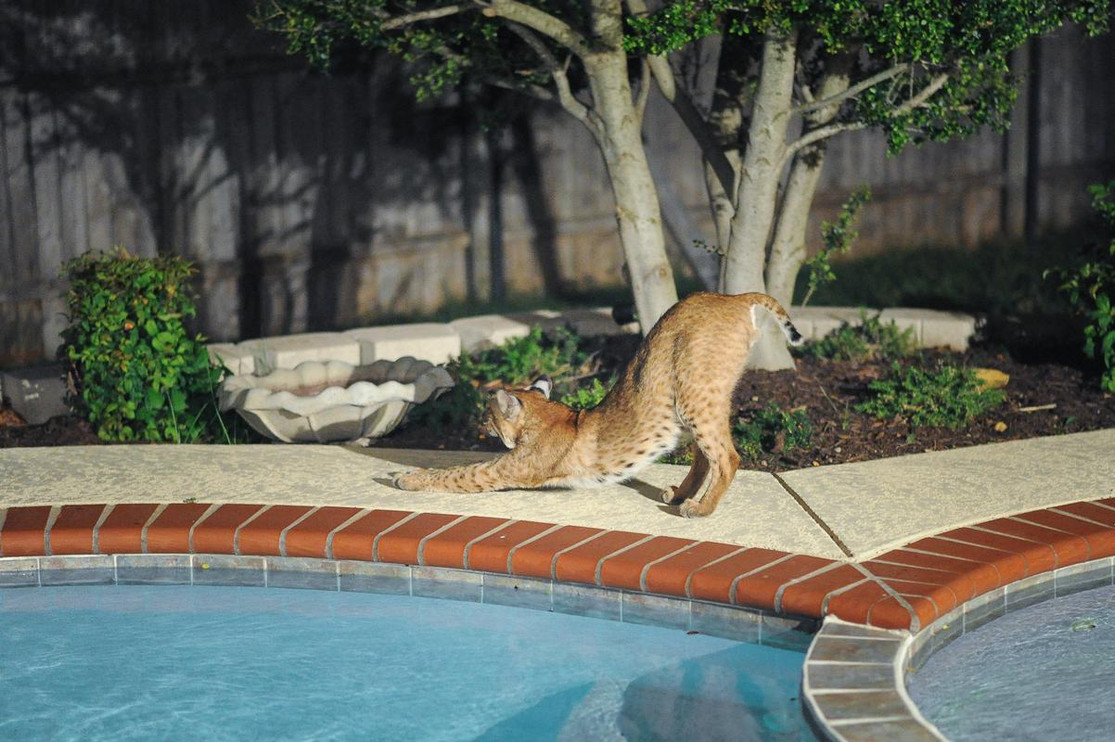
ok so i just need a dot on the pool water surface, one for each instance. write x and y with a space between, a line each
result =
226 663
1044 672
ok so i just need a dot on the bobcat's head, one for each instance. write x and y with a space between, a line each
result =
511 411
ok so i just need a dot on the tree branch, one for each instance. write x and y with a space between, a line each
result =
854 90
558 72
825 132
539 21
690 116
423 15
644 90
534 91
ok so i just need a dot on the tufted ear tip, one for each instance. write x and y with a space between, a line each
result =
544 385
508 405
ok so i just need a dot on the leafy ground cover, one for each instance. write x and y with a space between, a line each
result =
812 415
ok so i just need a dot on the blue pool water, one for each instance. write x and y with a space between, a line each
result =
214 663
1045 672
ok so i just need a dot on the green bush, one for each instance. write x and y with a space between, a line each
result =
1091 289
772 430
869 340
137 373
517 362
948 397
587 397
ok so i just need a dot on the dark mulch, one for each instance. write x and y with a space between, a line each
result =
1069 402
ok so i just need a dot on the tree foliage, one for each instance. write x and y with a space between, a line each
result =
924 69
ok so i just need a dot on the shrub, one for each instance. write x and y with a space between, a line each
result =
137 373
1091 289
587 397
948 397
521 360
869 340
517 362
772 430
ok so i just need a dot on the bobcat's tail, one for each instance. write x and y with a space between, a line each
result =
771 304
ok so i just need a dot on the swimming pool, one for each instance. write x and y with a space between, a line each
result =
227 663
1041 672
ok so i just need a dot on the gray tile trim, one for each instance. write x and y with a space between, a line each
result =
633 606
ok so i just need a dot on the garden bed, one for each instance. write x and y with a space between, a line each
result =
828 391
1042 398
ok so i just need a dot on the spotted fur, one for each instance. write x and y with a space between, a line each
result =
679 383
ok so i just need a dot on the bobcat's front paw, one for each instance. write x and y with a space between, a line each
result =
407 480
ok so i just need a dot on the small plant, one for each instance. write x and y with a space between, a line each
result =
137 373
1091 289
837 238
587 397
772 430
517 362
521 360
869 340
949 397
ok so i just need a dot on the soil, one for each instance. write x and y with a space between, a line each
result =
1043 398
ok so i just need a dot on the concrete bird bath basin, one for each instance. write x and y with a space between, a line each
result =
333 401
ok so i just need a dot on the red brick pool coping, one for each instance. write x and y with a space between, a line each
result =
905 588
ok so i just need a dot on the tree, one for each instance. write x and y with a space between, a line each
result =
572 53
792 75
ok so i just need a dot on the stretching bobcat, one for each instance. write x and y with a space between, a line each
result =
679 382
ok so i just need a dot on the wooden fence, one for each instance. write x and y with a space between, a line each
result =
313 201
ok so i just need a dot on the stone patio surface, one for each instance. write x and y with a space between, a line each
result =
837 512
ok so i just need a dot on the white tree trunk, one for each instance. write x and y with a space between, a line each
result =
757 192
637 209
787 252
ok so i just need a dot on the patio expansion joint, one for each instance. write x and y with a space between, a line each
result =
915 622
814 516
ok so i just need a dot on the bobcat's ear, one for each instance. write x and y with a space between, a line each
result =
508 405
544 385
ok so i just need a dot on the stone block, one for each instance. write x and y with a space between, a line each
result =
816 322
933 328
949 329
237 359
287 351
596 322
488 331
426 341
36 394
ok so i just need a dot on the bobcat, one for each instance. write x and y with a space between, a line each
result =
679 382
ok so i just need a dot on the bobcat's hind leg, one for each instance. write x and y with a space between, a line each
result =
722 464
675 495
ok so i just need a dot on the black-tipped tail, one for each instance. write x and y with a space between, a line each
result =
792 333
